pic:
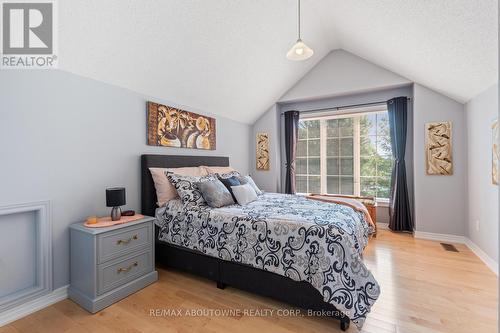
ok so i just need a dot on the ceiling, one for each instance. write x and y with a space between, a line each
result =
227 57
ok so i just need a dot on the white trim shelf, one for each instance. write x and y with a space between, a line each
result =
43 257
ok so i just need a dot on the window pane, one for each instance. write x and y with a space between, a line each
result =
346 166
302 129
301 166
332 166
332 128
384 166
368 145
313 148
384 145
368 186
314 184
314 166
302 148
301 184
332 185
313 129
345 126
332 147
383 124
346 185
368 125
383 188
346 147
368 166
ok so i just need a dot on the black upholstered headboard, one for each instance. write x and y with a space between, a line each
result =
148 192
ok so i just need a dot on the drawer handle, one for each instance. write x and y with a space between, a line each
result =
126 241
126 269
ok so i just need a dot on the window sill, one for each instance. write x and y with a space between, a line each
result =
383 202
380 202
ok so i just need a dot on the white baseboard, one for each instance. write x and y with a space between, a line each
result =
27 308
382 226
492 264
439 237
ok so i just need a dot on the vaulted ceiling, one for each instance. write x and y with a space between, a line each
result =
227 57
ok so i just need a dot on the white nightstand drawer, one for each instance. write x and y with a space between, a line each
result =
116 243
119 272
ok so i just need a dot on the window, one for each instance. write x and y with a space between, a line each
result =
345 154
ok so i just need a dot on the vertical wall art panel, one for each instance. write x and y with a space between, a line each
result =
262 153
438 147
494 152
171 127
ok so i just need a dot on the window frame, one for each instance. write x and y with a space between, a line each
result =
355 115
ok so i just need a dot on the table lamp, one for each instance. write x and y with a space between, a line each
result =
115 197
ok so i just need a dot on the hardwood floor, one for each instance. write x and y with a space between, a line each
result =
424 289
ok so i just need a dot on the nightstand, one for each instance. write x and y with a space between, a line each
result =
108 264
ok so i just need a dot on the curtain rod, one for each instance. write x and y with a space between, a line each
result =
343 107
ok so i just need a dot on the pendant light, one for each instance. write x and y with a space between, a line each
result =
299 51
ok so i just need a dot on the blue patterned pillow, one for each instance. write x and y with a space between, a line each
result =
215 193
187 188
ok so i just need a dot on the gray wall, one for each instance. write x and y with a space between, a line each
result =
342 73
440 201
268 180
65 138
482 217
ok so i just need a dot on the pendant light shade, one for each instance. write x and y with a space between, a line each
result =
299 51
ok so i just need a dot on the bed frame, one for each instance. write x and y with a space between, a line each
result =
226 273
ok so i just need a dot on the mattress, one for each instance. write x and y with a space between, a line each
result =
302 239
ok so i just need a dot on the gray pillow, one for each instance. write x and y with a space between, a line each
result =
215 193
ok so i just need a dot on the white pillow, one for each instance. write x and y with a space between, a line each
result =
244 194
216 169
250 181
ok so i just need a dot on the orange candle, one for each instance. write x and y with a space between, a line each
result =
92 220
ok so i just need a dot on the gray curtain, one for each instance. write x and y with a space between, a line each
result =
291 134
399 203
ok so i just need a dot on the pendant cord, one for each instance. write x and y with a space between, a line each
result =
299 16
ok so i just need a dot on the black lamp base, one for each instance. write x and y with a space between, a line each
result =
116 213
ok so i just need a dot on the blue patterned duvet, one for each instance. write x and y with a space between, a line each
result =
305 240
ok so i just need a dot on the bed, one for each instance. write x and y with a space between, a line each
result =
281 246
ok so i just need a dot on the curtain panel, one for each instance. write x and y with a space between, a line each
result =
400 218
291 134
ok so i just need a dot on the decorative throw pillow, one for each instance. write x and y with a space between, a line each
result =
187 188
165 191
249 180
228 182
215 193
244 194
229 174
217 169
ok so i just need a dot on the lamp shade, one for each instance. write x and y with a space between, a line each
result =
115 196
299 51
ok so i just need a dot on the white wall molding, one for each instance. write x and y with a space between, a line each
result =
42 257
27 308
439 237
492 264
382 226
